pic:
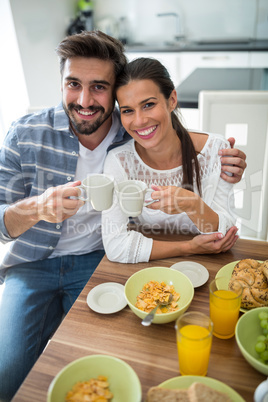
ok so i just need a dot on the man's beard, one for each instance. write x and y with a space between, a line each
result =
86 127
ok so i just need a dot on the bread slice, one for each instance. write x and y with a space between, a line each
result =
158 394
198 392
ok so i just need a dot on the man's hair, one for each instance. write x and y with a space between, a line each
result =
94 44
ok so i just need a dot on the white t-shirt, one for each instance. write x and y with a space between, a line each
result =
81 233
130 246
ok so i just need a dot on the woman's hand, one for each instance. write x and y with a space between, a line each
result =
214 243
174 200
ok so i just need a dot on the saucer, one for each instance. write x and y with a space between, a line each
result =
107 298
197 273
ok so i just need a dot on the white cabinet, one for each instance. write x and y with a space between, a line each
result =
182 64
258 59
191 60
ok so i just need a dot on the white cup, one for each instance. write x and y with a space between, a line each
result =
131 194
98 189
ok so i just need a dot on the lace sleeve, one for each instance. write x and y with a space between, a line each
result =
120 244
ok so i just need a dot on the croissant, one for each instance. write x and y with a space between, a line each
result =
253 277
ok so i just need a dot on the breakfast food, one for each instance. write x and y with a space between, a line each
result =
96 389
197 392
253 277
154 293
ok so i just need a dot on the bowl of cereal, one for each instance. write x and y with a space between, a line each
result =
147 287
95 376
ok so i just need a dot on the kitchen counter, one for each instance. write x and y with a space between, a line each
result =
211 79
202 46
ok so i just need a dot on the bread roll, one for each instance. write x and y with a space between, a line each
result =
252 276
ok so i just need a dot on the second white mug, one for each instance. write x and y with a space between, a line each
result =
131 194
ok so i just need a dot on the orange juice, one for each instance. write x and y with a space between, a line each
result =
194 344
224 311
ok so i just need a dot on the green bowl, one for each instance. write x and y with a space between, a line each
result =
124 382
246 332
181 283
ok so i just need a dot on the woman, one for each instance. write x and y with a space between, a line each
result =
183 168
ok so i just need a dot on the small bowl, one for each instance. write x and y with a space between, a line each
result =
181 283
246 332
88 367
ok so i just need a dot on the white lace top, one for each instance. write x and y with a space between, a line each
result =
128 246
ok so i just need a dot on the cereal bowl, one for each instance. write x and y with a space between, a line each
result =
181 283
246 332
123 381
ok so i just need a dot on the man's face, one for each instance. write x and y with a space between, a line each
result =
87 93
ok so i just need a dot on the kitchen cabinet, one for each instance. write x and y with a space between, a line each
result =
258 59
181 64
189 61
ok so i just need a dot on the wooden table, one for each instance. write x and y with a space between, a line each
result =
150 351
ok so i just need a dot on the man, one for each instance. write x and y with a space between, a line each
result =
55 239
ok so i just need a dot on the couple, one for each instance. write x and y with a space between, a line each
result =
43 159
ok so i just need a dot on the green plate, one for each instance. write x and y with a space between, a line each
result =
226 272
187 380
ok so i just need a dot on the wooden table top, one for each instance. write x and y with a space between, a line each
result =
150 351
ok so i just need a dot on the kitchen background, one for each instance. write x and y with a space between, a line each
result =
31 29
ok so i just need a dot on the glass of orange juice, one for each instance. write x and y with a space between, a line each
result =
224 307
194 338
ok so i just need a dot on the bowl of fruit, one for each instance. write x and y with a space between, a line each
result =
251 335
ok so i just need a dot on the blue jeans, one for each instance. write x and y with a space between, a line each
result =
35 298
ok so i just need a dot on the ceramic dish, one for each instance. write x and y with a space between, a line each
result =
247 331
107 298
196 272
187 380
181 284
90 367
226 272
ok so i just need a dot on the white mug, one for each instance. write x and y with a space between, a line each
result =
98 189
131 194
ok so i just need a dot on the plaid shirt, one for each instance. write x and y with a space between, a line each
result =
39 151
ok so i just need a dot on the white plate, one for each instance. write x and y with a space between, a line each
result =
197 273
107 298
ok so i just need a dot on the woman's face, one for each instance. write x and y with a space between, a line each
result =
145 113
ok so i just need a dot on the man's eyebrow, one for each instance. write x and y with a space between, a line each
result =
103 82
100 82
140 103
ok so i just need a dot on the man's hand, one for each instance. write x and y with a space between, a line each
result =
233 161
55 205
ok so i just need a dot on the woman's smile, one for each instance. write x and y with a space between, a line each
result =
147 132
